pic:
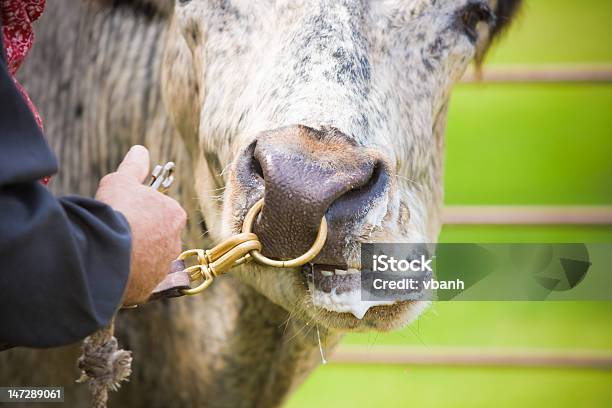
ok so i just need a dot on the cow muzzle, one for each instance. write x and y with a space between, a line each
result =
306 174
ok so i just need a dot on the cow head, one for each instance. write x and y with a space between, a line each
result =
323 108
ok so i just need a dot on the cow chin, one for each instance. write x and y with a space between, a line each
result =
379 318
328 295
293 289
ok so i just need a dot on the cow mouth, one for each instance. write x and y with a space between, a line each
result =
337 288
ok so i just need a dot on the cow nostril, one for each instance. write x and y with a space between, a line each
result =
356 202
371 182
373 186
256 168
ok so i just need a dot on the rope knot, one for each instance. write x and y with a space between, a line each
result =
103 365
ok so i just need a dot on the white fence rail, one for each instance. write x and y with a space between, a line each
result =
592 73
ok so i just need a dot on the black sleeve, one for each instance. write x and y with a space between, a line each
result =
64 263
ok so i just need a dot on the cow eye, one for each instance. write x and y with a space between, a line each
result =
472 14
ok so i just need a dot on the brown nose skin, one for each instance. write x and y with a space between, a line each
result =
306 174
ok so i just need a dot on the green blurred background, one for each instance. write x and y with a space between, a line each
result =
510 144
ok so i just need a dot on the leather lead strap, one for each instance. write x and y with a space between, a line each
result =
173 284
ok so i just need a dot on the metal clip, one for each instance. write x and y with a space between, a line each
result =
213 262
162 177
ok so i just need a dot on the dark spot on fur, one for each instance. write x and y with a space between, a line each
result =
194 32
78 110
339 54
229 9
437 48
428 65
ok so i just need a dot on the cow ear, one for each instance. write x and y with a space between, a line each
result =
505 11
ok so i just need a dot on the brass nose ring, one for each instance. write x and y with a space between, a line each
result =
247 226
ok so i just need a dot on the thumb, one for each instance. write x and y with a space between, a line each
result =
135 164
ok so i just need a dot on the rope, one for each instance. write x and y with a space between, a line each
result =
103 365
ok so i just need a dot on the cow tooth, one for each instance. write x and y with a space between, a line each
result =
340 272
352 271
327 273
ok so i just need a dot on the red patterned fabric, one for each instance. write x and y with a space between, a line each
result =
18 37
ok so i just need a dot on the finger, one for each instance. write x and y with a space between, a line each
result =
135 164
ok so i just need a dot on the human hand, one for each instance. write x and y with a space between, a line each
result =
156 222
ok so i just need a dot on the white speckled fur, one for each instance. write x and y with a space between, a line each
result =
400 58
